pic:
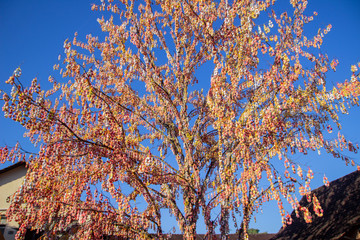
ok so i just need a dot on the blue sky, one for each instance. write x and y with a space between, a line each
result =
32 35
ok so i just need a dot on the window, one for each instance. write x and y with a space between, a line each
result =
2 229
2 223
2 219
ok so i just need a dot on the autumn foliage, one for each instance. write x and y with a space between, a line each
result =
181 101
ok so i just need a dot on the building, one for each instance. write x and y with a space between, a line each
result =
11 179
259 236
341 218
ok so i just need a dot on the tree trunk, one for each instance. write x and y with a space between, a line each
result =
245 223
190 232
224 222
191 216
209 224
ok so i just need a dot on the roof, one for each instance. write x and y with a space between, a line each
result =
11 167
340 202
260 236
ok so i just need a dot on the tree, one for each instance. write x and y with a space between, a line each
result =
253 231
133 119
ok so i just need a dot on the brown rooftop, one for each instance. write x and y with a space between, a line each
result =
341 220
260 236
18 164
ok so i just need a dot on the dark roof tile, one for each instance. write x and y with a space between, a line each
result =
340 202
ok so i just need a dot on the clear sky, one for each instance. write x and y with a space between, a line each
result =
32 33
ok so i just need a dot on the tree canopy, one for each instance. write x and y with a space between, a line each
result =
134 117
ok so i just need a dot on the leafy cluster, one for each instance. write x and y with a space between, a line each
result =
134 118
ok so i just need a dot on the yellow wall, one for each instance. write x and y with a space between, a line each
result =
10 181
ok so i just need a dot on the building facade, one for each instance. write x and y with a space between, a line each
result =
11 179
